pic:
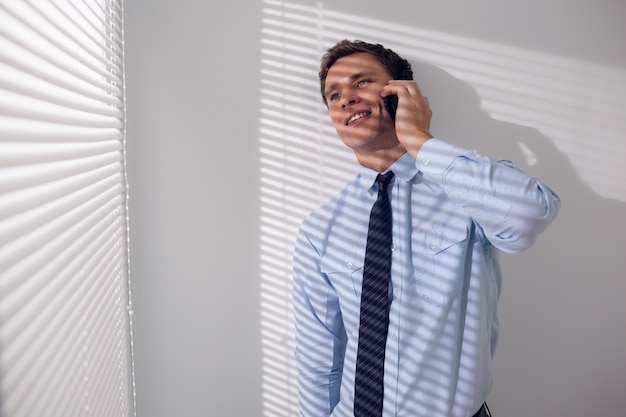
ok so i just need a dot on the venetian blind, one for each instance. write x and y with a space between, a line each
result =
65 310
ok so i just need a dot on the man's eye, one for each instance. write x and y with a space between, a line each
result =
335 96
361 83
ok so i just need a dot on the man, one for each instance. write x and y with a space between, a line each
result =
452 212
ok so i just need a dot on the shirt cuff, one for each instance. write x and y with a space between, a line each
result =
436 156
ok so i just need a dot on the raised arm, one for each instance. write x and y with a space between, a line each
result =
511 207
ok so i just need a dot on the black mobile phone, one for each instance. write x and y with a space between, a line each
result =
391 104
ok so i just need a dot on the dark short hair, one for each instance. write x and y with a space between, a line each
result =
398 67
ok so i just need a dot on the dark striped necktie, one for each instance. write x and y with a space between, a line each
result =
368 384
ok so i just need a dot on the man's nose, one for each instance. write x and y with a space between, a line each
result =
348 99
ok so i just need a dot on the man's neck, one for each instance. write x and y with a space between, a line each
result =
380 160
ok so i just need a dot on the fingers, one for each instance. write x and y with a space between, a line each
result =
413 114
409 94
412 104
403 88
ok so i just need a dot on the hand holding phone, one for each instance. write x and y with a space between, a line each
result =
391 104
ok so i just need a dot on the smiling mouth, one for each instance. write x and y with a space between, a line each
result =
357 117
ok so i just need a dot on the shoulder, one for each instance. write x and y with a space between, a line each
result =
321 219
325 211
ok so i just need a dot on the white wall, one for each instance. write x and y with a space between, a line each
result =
539 82
193 97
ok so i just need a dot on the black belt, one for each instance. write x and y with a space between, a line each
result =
483 412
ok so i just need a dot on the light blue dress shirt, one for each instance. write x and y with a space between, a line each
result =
453 212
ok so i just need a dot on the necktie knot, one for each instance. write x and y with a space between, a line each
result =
383 181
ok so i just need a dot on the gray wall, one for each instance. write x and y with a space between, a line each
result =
193 108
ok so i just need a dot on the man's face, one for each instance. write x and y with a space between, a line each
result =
352 90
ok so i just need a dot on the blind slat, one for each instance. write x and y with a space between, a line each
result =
29 63
15 153
52 36
30 85
65 327
68 305
38 247
65 242
47 63
14 128
44 198
13 104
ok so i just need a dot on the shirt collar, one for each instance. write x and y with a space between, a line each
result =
404 168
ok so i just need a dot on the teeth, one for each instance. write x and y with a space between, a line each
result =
357 116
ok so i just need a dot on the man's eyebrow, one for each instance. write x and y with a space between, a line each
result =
352 78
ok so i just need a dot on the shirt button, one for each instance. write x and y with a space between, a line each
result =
433 246
425 161
349 265
393 337
393 247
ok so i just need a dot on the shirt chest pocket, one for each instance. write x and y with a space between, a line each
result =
439 255
345 273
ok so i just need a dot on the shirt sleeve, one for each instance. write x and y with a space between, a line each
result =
511 207
318 331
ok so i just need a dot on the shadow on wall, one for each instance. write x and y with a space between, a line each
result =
561 305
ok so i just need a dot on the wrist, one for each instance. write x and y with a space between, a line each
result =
416 144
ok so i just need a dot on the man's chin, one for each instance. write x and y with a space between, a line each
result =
357 134
356 142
